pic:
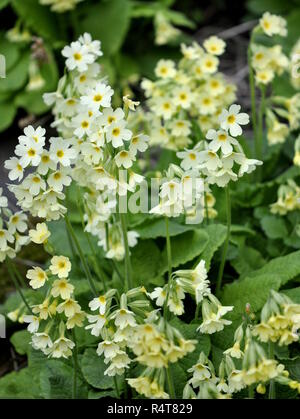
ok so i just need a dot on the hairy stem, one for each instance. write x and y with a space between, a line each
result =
225 247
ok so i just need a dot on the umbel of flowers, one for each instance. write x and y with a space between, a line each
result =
267 62
186 97
136 336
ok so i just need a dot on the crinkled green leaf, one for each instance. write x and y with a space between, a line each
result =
184 248
93 368
108 22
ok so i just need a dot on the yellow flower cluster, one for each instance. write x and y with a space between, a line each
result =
194 90
280 320
156 346
288 198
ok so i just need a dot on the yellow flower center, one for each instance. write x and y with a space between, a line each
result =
84 124
116 132
60 153
77 56
31 152
98 98
231 119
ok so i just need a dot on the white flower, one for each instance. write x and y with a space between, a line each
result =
16 171
209 160
38 277
34 183
139 143
98 303
57 180
18 222
97 323
31 134
131 104
40 234
5 237
41 341
165 69
248 165
78 56
60 266
180 128
110 349
100 95
232 119
3 200
124 158
61 152
220 140
183 97
124 318
110 115
117 133
62 288
273 24
29 153
46 163
190 159
33 321
209 64
160 295
61 348
214 45
93 46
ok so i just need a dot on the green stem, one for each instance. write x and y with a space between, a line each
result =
197 312
75 366
128 281
81 255
16 284
261 124
225 247
169 257
206 208
272 388
253 97
170 383
116 387
19 276
251 392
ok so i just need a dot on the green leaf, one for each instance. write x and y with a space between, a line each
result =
255 287
184 248
21 341
274 227
93 368
8 112
4 3
216 237
38 18
60 242
145 258
248 259
293 294
10 51
17 77
179 19
100 394
56 381
108 22
152 229
293 367
19 385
